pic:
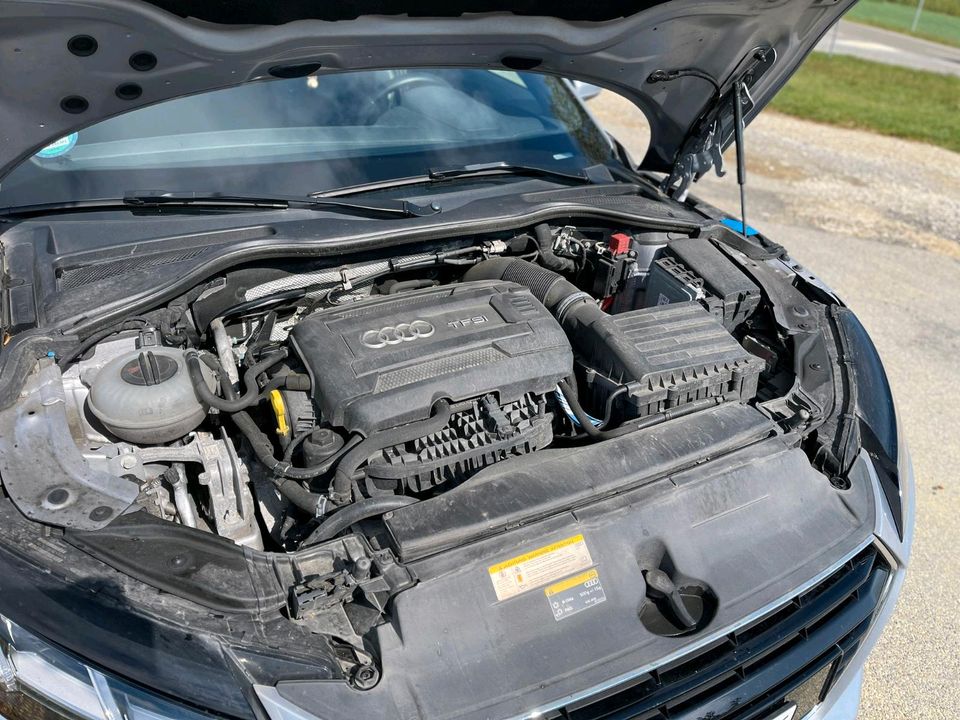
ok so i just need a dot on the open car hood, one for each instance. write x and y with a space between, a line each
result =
57 80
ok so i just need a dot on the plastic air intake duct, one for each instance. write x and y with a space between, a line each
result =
649 361
572 307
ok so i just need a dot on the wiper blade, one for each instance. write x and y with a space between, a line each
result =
505 168
159 199
395 208
595 174
156 198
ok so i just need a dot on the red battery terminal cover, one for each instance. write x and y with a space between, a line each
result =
619 243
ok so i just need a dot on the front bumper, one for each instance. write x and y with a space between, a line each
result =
842 702
804 653
876 597
812 656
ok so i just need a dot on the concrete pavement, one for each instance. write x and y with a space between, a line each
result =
892 48
904 296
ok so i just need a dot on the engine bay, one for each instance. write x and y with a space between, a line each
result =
261 409
297 407
354 370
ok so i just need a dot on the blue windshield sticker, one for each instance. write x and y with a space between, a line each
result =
59 147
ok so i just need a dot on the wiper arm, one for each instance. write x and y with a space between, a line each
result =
595 174
395 208
505 168
159 199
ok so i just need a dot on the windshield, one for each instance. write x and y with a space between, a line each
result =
317 133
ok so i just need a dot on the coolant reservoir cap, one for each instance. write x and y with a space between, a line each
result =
148 369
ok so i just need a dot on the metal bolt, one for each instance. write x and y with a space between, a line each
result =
100 513
366 677
815 366
840 483
128 462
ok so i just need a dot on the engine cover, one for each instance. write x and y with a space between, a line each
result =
383 362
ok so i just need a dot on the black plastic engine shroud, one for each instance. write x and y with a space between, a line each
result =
383 362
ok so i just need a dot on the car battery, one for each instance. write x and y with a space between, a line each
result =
695 270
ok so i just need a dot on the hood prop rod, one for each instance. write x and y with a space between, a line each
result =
739 89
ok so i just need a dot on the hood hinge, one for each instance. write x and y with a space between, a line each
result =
704 147
695 160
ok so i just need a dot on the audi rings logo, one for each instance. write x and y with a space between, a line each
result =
396 334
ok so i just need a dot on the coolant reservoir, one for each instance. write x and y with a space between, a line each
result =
146 397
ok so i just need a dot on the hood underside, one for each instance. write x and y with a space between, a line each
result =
54 84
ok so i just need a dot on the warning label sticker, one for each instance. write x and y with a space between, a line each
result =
575 594
539 567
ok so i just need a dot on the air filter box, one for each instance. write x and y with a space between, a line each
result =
668 356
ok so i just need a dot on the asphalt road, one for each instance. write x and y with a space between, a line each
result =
893 48
877 219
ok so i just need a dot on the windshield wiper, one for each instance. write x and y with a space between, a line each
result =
396 208
505 168
591 175
151 199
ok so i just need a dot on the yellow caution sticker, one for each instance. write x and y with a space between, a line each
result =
572 595
539 567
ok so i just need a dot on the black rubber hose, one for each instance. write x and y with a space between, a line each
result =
560 296
579 413
341 487
594 433
250 397
352 514
64 360
286 477
267 301
259 442
294 443
262 447
544 238
640 423
310 502
312 471
608 408
291 381
307 501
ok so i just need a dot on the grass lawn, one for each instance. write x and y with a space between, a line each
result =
890 100
935 26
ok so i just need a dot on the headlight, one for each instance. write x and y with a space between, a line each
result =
879 432
39 682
